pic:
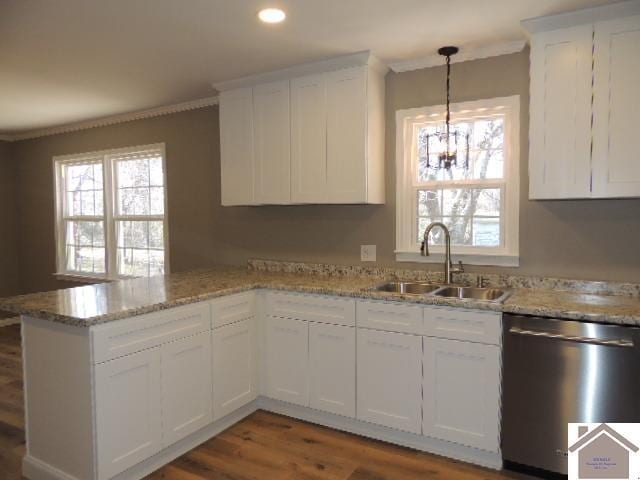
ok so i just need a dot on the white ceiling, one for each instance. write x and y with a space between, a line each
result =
73 60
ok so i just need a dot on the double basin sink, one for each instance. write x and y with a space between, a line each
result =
496 295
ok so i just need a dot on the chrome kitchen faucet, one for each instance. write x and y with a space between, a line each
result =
448 265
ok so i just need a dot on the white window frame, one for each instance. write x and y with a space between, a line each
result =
106 158
407 248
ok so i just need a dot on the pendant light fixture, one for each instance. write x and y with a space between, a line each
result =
450 144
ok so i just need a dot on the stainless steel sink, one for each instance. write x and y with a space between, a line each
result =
409 288
497 295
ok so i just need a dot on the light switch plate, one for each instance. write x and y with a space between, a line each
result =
367 253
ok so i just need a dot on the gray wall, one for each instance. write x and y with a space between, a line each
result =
9 272
593 239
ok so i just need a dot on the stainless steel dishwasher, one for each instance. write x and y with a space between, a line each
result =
559 371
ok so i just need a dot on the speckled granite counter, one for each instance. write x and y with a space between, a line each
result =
94 304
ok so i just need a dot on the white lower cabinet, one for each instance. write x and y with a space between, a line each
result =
234 367
287 359
128 411
332 368
390 379
461 388
186 387
425 378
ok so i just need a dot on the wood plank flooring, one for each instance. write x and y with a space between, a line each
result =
264 446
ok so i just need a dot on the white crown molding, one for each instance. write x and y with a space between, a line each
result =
113 119
335 63
464 55
581 17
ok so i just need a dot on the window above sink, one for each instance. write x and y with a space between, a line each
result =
479 204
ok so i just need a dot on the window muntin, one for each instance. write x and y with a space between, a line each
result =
478 204
111 213
83 216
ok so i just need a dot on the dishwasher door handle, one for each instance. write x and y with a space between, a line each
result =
618 342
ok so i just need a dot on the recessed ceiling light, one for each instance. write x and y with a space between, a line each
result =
272 15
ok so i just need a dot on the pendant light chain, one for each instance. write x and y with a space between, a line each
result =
448 102
449 140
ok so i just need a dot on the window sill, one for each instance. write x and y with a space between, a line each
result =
466 258
68 277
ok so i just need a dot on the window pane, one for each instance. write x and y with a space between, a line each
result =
140 248
140 186
85 247
486 145
83 188
471 214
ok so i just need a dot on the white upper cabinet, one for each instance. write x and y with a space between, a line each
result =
309 139
236 146
271 134
318 134
559 163
584 75
346 135
616 162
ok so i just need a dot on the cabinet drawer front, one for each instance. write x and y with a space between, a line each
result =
232 309
132 335
340 311
390 317
469 325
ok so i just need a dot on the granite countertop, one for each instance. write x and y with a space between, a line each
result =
95 304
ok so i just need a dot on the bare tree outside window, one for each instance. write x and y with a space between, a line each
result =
110 209
473 212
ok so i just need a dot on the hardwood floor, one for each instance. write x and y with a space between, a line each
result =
11 404
264 446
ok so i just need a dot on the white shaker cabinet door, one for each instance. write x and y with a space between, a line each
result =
236 146
616 163
186 387
461 390
128 411
309 139
347 135
272 138
287 358
234 367
389 379
332 368
560 122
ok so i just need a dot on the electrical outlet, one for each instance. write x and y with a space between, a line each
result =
367 253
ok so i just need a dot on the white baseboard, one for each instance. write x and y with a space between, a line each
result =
426 444
34 469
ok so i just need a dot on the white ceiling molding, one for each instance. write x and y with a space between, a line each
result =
113 119
464 55
335 63
581 17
